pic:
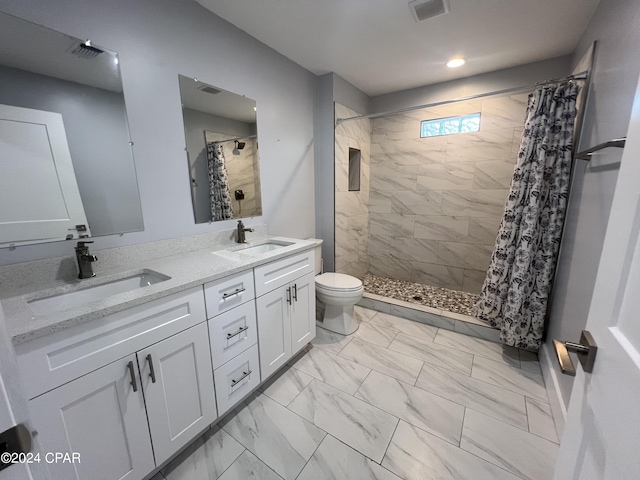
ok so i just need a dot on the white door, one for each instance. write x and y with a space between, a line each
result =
303 312
600 439
39 196
274 329
177 380
101 417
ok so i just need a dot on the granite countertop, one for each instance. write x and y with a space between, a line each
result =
186 270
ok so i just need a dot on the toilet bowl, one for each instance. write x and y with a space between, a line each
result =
339 293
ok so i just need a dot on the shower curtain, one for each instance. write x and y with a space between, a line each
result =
218 183
516 289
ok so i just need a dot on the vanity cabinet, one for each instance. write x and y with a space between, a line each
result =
177 382
146 405
286 309
102 416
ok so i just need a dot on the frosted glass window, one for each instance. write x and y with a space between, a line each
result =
450 125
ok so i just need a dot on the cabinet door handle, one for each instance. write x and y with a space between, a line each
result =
240 330
295 292
244 375
289 295
152 372
133 382
227 295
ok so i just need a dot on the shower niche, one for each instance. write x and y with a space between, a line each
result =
221 142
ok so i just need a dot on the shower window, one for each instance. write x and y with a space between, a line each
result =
450 125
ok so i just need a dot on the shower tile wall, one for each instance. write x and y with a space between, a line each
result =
436 203
242 170
352 214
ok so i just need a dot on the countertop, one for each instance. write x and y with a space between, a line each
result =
186 270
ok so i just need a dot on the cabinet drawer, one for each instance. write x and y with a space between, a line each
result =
232 332
276 274
236 378
50 361
228 292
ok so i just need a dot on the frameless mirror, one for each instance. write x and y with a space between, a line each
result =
65 149
222 150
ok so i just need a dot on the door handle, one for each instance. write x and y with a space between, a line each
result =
586 351
289 295
152 372
295 292
133 382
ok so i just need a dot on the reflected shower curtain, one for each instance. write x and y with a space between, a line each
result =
218 183
515 292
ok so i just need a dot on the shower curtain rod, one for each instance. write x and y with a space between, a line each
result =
235 139
577 76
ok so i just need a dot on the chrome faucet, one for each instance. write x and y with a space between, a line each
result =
241 237
85 259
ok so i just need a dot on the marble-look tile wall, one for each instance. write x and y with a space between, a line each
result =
436 203
352 212
243 172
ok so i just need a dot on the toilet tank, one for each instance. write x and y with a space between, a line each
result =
318 255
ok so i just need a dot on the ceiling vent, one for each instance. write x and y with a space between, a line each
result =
424 9
86 51
208 89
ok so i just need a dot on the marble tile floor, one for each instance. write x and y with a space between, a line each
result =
402 400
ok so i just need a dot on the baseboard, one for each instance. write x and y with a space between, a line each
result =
554 393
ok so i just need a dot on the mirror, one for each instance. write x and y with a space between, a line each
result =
222 150
65 148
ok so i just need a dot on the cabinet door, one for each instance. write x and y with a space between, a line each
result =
100 416
274 330
177 380
303 321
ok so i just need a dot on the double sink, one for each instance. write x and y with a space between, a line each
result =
141 279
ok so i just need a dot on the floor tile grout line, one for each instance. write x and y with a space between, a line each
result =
314 452
235 459
471 453
388 444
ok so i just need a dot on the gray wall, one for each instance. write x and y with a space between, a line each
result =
522 75
96 126
157 40
616 27
195 123
331 88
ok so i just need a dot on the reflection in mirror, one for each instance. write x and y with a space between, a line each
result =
65 154
222 148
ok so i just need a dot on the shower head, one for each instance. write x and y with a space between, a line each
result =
239 145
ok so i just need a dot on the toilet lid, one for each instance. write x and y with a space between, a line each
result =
338 281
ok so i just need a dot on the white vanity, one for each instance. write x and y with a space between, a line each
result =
129 380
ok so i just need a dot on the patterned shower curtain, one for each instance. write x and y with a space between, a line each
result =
218 183
515 292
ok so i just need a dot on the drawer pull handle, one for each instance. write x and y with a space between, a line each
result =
295 292
133 382
244 375
240 330
152 372
227 295
289 295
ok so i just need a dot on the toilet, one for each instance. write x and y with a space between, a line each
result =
339 293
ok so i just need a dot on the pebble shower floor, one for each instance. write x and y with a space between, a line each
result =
435 297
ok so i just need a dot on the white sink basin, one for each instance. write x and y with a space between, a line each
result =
265 247
64 301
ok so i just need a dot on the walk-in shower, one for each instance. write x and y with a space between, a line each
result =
423 225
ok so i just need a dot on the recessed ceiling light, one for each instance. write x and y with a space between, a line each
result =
456 62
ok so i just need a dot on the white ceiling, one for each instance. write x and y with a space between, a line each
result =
34 48
224 104
378 46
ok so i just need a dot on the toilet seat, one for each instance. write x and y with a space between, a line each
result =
338 282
